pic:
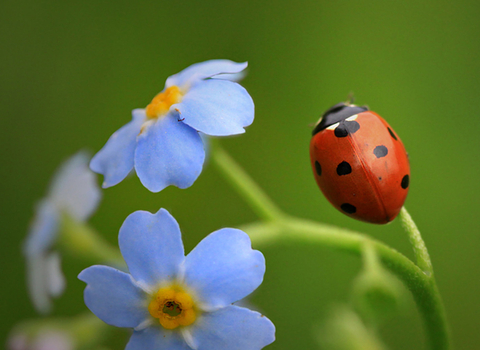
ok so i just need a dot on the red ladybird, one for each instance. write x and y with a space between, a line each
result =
360 163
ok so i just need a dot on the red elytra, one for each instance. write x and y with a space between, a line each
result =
360 163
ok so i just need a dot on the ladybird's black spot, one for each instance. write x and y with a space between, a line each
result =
379 178
344 168
405 182
318 168
392 134
341 131
352 126
348 208
380 151
346 127
337 113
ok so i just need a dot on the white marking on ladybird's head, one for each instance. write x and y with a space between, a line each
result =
353 117
333 126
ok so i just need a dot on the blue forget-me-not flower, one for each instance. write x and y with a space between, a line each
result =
173 301
73 192
162 141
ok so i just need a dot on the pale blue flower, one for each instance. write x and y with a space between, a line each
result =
162 142
73 192
177 302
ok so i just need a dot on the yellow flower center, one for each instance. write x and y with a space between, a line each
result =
173 307
161 103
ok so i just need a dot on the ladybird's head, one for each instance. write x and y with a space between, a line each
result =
337 113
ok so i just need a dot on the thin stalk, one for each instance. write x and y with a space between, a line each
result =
81 240
419 247
258 200
424 291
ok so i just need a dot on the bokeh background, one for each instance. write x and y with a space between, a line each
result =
71 72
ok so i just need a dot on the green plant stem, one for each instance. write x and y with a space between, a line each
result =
242 183
83 241
419 247
281 227
369 257
423 258
422 286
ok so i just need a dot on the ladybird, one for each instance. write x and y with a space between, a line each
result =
360 163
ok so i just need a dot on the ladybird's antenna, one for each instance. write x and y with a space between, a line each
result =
350 98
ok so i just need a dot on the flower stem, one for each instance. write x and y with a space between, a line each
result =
279 226
419 248
83 241
422 286
424 263
369 256
243 184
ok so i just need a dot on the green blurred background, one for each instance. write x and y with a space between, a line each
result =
71 72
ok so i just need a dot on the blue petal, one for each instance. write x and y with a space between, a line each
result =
115 160
236 77
156 338
233 328
113 296
37 283
39 262
203 70
45 279
217 108
206 144
152 247
74 187
168 153
44 229
223 268
55 278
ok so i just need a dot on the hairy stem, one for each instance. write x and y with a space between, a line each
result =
419 247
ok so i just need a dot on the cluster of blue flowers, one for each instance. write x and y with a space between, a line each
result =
171 301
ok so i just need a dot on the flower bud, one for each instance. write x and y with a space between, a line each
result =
345 330
377 293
